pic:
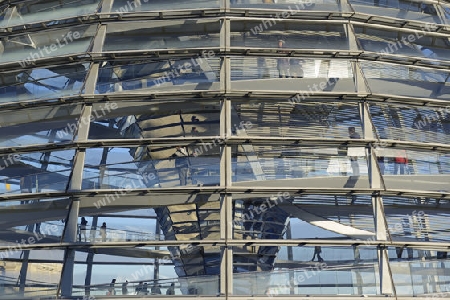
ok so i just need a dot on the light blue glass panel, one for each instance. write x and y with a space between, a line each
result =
357 272
409 10
124 6
283 166
39 125
424 273
136 119
133 168
162 35
24 172
414 170
267 33
196 73
44 82
29 48
385 78
41 11
289 7
304 76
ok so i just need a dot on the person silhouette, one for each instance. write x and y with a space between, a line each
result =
171 289
103 232
354 159
83 228
317 251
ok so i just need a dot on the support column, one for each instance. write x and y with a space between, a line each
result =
381 228
226 233
156 265
69 235
290 256
90 257
70 230
375 179
386 282
225 151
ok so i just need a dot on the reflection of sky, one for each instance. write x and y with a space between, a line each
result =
50 84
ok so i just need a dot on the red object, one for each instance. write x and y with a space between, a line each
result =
401 160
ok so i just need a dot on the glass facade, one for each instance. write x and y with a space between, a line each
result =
226 149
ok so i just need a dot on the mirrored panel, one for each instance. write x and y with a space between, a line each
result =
258 165
26 12
291 8
402 9
411 123
385 78
271 33
414 170
39 125
304 76
35 172
295 118
124 6
136 119
150 167
195 73
31 47
43 82
173 34
420 272
267 271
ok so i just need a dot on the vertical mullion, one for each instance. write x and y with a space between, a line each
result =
70 229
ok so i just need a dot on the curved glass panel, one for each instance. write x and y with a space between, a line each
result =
417 219
267 33
291 8
299 166
116 275
18 228
295 274
42 276
36 172
403 43
385 78
294 118
409 123
29 48
300 75
150 166
402 9
124 6
26 12
39 125
44 82
154 35
420 272
136 120
123 225
310 216
414 170
196 73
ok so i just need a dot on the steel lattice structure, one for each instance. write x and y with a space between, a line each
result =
211 148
